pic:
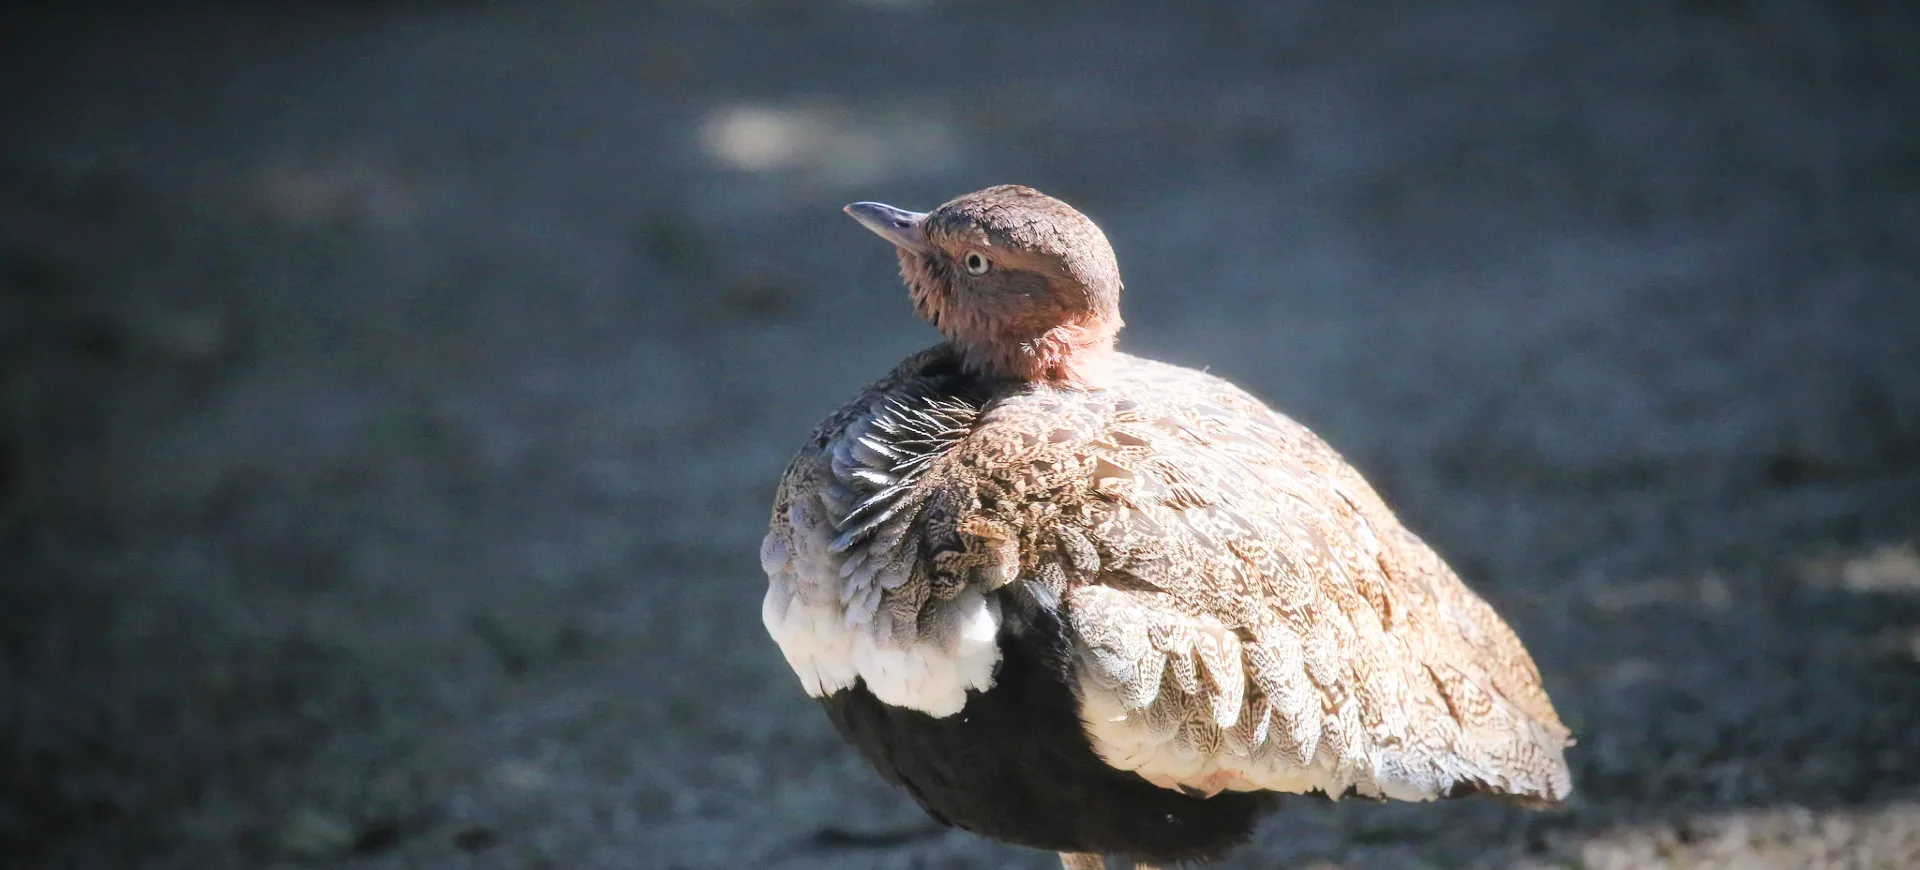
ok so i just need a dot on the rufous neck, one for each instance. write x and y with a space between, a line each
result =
1073 355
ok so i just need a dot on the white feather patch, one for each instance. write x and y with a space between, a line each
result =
830 642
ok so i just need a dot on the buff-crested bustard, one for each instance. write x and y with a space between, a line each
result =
1095 604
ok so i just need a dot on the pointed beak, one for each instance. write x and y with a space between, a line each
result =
896 225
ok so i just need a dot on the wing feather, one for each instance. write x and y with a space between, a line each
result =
1248 614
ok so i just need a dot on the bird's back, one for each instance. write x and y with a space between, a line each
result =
1241 611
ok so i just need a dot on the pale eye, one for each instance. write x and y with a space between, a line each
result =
977 265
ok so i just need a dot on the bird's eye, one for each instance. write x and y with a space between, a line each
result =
977 265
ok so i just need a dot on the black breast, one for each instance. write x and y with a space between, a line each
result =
1016 766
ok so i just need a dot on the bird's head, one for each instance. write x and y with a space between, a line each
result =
1023 285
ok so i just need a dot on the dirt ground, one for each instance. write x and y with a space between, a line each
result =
393 393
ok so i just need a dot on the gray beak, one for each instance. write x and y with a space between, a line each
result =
896 225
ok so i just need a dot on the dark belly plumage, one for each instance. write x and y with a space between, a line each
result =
1015 765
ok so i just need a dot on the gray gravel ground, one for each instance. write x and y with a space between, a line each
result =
393 394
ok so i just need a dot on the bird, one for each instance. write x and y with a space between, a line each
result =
1089 603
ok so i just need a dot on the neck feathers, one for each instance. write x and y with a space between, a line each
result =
1073 354
1071 343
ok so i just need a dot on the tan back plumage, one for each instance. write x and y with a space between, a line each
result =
1247 614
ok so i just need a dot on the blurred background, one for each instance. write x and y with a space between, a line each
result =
391 395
